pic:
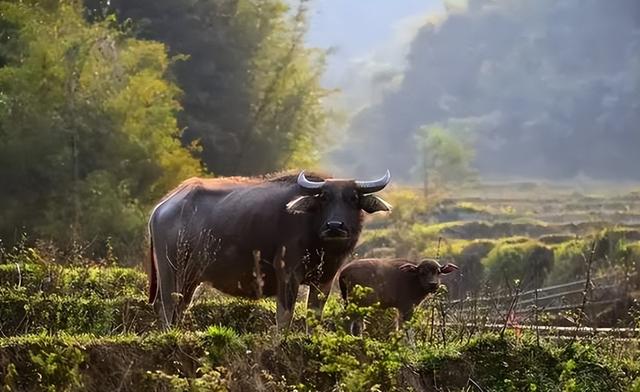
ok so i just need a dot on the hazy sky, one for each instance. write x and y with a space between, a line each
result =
373 32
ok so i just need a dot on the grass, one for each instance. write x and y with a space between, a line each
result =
55 279
22 312
525 261
83 327
222 359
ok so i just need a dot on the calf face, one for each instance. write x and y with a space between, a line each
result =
429 272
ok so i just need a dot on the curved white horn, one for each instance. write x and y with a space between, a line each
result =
375 185
306 184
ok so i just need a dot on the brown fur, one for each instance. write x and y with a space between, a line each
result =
396 283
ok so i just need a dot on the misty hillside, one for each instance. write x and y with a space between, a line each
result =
541 88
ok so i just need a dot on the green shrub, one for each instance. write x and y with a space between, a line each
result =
100 282
22 312
238 314
505 365
326 360
471 275
613 251
526 262
359 364
569 262
220 341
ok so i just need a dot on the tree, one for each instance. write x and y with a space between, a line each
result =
252 97
550 89
444 157
88 124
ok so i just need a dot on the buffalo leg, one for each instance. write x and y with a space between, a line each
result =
285 306
165 302
318 295
288 284
185 302
356 328
403 315
317 298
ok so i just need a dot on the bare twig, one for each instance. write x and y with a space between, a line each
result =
475 384
585 293
125 376
193 257
443 316
19 275
257 273
535 318
510 311
587 284
433 323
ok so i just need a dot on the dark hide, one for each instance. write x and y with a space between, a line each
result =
317 228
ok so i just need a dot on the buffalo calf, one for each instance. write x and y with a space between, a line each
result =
396 283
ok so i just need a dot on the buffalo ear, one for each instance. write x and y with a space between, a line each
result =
302 204
409 267
447 268
373 203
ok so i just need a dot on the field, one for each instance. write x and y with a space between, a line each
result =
546 301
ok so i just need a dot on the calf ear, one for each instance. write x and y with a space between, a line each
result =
409 267
447 268
373 203
302 205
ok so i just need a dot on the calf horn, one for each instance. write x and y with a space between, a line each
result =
375 185
306 184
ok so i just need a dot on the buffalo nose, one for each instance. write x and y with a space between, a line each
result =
335 225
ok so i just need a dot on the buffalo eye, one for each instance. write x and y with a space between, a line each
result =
323 197
353 198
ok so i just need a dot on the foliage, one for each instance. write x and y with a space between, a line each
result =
53 279
78 310
233 349
408 205
88 127
504 365
178 361
536 81
570 261
252 95
527 263
472 271
444 156
616 249
222 341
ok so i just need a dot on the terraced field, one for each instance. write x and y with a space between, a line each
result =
88 327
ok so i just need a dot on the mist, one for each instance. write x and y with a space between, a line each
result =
544 88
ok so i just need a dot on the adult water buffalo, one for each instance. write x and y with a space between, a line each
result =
252 237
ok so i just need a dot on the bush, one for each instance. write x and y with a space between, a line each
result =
112 282
569 262
527 262
471 275
90 137
504 365
220 342
615 250
22 312
221 359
